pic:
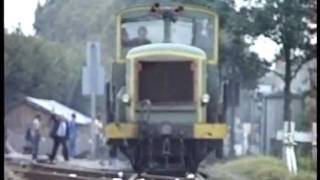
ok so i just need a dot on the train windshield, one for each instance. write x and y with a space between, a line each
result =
189 28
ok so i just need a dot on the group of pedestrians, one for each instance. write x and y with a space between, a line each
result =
62 133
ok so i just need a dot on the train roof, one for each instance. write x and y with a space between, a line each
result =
194 7
162 48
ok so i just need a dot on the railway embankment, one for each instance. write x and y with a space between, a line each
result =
254 168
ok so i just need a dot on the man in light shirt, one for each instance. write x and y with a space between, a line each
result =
60 135
33 136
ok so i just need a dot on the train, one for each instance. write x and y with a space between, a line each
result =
165 102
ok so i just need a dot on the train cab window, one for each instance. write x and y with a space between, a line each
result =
196 32
139 33
190 28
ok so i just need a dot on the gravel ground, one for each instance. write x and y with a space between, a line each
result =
9 175
78 163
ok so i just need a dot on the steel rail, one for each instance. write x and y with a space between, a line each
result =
48 172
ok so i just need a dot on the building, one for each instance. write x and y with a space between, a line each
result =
263 107
19 117
299 84
272 118
271 88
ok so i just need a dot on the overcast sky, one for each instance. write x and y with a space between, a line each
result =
22 11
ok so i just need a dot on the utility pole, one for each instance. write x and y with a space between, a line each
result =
265 125
93 117
232 97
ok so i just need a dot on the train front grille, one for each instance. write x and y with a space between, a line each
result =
166 82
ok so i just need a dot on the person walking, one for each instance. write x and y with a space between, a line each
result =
27 149
33 136
73 136
60 135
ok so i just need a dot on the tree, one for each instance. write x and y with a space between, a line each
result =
36 67
313 95
286 23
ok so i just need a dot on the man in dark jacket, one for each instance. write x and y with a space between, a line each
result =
60 134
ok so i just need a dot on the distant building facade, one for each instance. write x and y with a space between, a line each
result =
263 107
299 84
272 118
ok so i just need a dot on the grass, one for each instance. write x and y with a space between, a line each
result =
255 168
307 164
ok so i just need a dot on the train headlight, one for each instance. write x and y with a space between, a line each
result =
125 98
190 176
205 99
166 129
120 174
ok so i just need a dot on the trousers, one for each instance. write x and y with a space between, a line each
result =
56 143
35 140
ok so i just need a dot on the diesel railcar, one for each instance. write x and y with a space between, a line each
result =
165 102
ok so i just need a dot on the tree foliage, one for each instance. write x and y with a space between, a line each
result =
286 23
38 68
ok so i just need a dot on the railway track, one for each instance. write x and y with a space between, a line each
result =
48 172
39 175
54 172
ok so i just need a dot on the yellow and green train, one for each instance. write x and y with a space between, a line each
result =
165 101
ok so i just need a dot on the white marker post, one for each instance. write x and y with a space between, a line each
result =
289 139
314 140
289 143
93 80
246 132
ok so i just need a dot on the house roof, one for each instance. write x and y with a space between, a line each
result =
59 109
